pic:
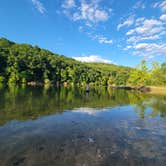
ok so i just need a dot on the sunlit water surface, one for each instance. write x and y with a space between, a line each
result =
68 127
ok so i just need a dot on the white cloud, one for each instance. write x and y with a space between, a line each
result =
39 6
90 12
127 48
140 38
127 22
80 28
139 5
150 50
163 17
130 32
104 40
92 58
148 29
143 37
68 4
139 21
161 5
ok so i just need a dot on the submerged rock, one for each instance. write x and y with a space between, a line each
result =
19 161
91 140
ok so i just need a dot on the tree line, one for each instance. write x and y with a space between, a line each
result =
26 64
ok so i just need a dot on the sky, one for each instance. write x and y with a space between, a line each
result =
122 32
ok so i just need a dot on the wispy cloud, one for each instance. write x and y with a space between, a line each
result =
128 22
161 5
104 40
68 4
139 20
100 39
131 15
92 58
39 6
139 5
136 39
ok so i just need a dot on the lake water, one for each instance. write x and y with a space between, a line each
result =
69 127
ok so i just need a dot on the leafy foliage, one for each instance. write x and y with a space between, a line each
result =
142 76
23 63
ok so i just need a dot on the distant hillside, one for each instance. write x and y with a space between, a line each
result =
23 63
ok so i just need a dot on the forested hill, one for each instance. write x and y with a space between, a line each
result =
23 63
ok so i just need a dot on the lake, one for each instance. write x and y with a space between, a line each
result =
69 127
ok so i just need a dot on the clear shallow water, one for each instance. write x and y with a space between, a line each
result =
67 127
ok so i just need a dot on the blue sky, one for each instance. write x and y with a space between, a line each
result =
114 31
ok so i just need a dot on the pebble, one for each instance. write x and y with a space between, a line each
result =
90 140
99 153
138 128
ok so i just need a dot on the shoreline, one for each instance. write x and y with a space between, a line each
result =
146 89
157 90
149 89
